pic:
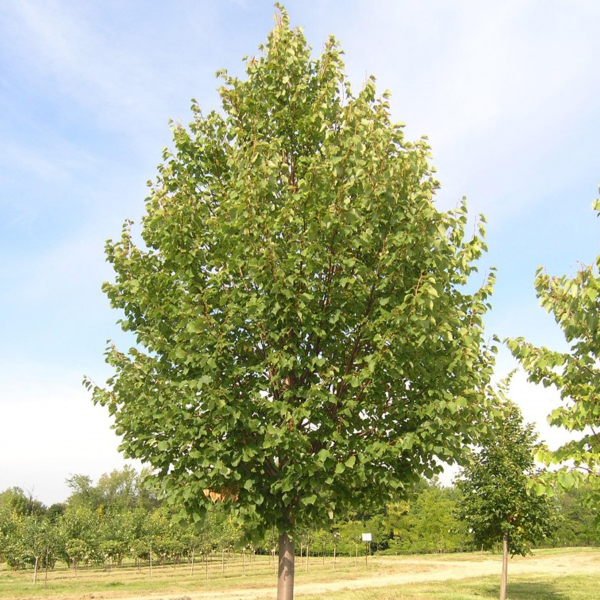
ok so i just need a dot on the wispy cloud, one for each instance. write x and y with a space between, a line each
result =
120 79
496 87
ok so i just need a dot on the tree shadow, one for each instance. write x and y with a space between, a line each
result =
529 590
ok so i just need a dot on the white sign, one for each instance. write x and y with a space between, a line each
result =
366 537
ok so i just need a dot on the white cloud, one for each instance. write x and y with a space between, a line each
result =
536 403
499 89
51 430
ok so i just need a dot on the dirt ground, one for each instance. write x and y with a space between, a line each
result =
416 571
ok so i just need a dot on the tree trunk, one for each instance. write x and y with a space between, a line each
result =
504 579
285 579
35 567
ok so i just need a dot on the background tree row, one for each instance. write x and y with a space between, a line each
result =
118 521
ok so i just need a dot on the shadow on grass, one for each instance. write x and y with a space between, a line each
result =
532 590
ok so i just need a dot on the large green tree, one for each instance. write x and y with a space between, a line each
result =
429 522
579 521
499 503
575 304
15 500
305 340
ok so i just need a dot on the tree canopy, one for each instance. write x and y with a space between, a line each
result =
573 301
305 338
498 498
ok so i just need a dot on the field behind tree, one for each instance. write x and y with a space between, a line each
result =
561 574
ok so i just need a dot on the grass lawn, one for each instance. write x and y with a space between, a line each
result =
521 587
556 574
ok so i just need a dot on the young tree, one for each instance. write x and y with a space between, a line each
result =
499 505
305 340
117 534
80 529
574 302
351 537
38 542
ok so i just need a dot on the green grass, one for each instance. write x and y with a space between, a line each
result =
169 581
521 587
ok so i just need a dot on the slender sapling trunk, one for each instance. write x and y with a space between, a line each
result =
504 579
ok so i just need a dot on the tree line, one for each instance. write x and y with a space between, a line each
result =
119 521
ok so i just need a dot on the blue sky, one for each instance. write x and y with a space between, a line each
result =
507 93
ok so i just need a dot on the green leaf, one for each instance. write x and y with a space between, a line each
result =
566 480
